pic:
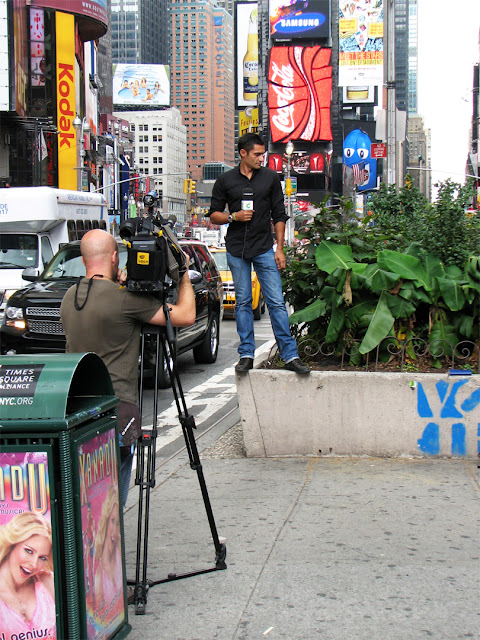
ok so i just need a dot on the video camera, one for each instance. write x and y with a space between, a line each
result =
155 260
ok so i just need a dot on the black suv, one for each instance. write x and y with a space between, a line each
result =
32 318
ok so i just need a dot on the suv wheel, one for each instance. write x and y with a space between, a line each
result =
206 352
163 381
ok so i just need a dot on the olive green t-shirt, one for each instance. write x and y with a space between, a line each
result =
109 325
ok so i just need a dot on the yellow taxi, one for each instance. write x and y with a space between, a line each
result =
220 256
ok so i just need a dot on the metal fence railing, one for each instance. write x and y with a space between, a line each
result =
391 354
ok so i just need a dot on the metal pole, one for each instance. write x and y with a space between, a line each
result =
389 75
289 206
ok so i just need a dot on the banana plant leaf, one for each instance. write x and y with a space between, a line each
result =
380 325
311 312
442 338
400 307
452 293
378 279
416 294
454 272
330 256
359 310
434 268
406 266
337 320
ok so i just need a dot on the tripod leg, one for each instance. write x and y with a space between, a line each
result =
187 422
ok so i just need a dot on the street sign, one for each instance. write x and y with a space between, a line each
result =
378 150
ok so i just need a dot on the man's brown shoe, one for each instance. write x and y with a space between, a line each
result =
297 366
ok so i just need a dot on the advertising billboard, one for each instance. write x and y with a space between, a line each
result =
359 165
307 19
96 9
67 138
101 535
302 162
26 541
246 56
248 121
20 59
299 93
141 84
360 43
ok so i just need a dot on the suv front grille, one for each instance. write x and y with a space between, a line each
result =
49 327
43 312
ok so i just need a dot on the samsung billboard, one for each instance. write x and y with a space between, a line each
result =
294 19
146 85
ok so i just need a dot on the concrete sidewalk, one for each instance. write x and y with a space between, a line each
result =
350 549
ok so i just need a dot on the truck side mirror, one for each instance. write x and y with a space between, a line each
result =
30 274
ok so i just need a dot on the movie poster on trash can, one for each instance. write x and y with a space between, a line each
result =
101 535
27 595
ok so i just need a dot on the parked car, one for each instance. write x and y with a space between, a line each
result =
32 317
258 303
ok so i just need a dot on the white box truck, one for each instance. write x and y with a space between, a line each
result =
34 223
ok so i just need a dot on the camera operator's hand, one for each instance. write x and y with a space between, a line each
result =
121 277
244 215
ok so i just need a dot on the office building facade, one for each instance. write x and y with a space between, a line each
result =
160 142
140 31
202 80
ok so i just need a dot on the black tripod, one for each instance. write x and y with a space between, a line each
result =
145 473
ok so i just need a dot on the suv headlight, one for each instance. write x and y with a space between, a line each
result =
14 317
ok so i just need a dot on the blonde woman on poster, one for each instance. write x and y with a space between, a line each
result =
108 574
27 601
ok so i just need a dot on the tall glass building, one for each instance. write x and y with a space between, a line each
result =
412 56
140 31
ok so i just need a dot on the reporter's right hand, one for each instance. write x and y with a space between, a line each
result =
244 215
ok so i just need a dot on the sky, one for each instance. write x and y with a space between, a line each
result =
448 32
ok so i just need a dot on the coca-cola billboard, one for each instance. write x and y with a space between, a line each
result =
300 93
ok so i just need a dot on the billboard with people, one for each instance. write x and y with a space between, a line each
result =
141 84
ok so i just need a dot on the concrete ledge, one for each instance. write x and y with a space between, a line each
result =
359 413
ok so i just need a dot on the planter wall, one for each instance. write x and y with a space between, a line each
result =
360 413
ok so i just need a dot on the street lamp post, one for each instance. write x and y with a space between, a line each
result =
82 127
288 193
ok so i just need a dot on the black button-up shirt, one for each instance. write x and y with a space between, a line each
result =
250 239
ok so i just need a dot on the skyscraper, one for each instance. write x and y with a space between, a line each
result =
140 31
202 80
412 56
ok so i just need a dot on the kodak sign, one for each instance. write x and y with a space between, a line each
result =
67 139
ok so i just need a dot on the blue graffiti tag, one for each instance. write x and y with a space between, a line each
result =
430 440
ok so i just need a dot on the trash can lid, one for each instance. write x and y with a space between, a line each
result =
53 387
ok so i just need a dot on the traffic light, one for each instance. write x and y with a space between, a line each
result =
288 187
186 185
191 188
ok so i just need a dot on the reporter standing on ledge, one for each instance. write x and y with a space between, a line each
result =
249 241
99 315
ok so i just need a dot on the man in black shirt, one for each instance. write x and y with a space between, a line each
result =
254 197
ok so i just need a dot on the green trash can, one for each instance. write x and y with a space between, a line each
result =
60 500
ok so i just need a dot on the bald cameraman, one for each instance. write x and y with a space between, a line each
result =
101 316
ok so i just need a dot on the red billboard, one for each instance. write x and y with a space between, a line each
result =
300 93
95 9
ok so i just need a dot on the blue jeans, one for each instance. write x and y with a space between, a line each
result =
271 284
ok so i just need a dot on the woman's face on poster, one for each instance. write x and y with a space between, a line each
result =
29 558
113 529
